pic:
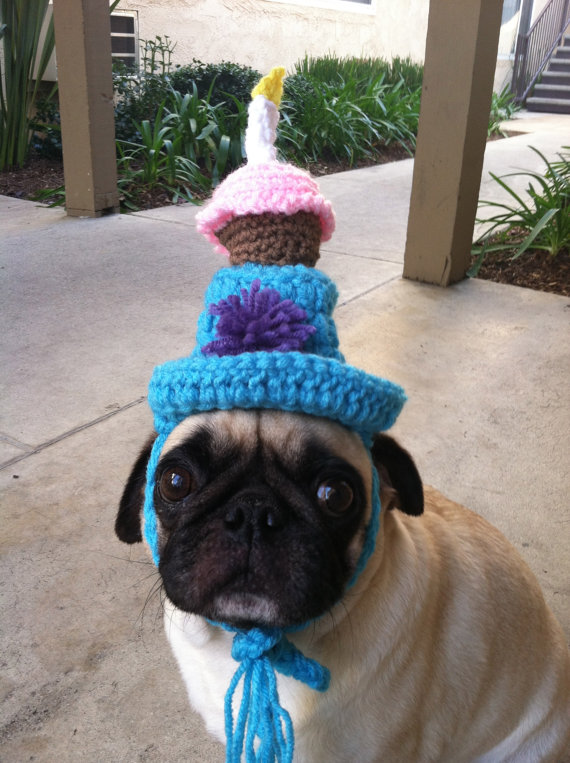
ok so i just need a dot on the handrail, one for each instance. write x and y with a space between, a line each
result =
536 46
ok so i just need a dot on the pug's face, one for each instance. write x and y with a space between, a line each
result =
261 515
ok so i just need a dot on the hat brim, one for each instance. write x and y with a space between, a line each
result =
291 381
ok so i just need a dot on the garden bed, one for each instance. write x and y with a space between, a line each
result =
41 173
534 270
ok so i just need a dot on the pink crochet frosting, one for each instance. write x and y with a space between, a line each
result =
257 188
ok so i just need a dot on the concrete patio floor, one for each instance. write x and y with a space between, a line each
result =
91 306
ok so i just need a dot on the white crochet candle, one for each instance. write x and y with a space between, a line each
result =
263 116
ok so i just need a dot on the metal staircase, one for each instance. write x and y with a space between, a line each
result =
552 92
541 75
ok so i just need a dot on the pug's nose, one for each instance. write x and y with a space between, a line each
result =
253 514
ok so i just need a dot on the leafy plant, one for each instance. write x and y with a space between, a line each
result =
19 83
345 120
186 149
207 134
330 68
541 222
53 197
503 108
223 82
46 126
156 55
139 94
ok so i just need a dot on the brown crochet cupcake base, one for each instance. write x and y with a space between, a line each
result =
273 239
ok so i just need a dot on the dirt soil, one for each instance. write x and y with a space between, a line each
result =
534 269
37 175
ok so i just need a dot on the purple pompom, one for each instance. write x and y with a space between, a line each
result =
260 320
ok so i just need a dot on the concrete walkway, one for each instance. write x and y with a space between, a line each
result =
90 306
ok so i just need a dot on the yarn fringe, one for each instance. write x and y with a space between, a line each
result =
263 730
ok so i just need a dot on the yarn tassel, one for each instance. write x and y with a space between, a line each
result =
263 730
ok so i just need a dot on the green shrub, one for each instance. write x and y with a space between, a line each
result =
411 72
20 26
186 150
542 223
503 108
219 80
330 68
155 162
139 95
345 120
46 127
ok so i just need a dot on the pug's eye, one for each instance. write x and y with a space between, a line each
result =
335 496
175 484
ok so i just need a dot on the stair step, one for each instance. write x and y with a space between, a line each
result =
558 65
562 53
544 90
552 105
555 78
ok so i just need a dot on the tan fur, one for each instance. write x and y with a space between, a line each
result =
444 650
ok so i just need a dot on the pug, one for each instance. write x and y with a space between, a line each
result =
442 650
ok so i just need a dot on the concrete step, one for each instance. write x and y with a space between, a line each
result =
555 78
558 65
545 90
549 105
562 53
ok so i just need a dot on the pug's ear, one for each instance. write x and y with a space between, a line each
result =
396 467
128 522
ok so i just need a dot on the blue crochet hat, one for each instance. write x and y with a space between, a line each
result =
267 340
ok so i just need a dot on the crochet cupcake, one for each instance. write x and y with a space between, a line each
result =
267 211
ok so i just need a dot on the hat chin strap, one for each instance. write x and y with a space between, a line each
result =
263 730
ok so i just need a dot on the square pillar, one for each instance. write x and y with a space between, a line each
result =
461 54
84 71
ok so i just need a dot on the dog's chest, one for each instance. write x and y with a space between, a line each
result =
203 654
204 657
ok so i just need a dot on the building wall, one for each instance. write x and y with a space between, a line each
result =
265 33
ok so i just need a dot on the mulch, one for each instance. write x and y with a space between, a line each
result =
534 269
37 175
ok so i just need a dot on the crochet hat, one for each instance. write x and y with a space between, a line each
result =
267 340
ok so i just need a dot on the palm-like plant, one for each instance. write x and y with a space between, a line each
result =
21 70
540 220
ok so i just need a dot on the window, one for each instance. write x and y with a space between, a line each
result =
509 28
124 39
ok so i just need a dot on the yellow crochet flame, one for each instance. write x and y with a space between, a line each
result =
271 86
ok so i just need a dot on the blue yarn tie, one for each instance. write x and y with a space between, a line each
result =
263 730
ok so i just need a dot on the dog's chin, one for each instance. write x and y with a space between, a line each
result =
247 610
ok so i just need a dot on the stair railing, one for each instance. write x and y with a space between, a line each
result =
535 48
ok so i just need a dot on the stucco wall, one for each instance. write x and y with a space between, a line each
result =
263 33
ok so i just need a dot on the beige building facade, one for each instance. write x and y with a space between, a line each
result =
264 33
